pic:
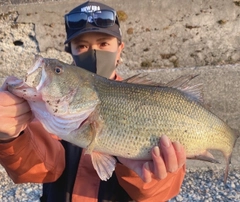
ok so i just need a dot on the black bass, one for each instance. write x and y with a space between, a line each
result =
121 118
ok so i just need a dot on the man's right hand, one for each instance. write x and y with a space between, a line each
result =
15 114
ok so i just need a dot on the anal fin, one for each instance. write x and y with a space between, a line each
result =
204 156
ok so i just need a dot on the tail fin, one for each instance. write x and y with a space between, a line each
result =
228 158
228 161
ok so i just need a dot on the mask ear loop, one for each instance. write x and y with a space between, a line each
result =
120 61
68 48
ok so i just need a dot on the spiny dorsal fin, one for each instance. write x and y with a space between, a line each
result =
142 79
181 83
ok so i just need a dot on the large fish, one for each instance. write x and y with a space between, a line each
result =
121 118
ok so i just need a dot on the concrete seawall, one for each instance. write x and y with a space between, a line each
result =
158 34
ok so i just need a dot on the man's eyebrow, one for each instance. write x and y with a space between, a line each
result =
79 40
105 38
99 39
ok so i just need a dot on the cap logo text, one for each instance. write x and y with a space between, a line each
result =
90 9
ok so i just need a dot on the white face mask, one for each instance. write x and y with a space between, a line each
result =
97 61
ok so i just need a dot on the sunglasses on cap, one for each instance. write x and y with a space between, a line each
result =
101 18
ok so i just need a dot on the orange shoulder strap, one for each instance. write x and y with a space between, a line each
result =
87 182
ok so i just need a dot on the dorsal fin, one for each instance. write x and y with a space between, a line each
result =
181 83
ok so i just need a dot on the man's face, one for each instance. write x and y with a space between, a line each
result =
97 41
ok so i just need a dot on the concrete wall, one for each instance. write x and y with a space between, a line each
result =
157 33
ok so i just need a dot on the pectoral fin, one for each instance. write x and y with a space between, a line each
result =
95 130
205 156
104 165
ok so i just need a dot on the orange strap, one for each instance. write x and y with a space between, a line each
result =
87 182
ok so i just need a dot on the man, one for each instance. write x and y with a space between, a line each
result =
30 154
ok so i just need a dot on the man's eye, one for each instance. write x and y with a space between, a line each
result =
81 47
104 44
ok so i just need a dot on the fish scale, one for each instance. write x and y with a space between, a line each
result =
158 111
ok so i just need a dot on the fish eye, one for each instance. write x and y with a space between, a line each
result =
58 70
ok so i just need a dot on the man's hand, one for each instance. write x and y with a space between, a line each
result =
169 158
15 114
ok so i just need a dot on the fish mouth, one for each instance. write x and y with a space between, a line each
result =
36 75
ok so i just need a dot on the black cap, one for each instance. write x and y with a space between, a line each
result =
91 27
